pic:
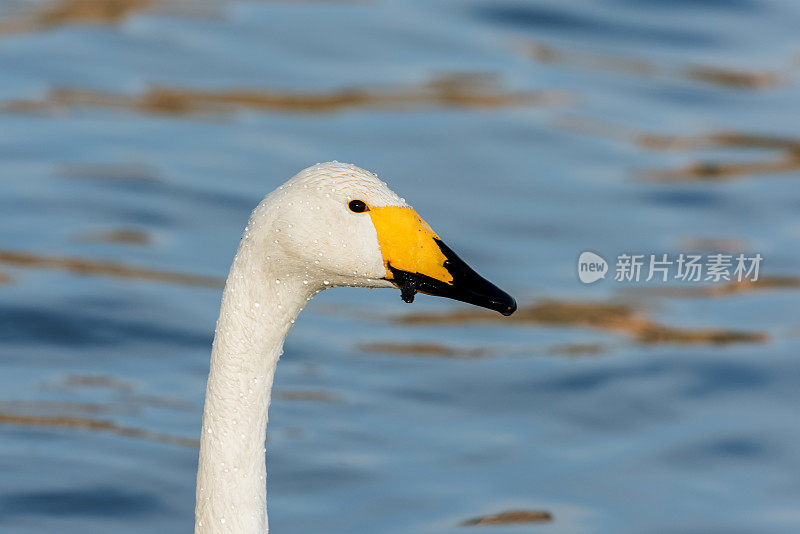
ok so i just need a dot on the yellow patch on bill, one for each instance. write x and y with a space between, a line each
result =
407 242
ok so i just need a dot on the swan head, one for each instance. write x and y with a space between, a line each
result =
335 224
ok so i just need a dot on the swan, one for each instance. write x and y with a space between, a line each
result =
333 224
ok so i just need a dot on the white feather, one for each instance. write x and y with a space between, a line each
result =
301 239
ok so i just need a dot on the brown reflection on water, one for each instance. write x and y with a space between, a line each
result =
30 407
549 54
301 395
510 517
96 425
610 317
785 159
737 78
450 91
718 139
785 155
734 287
57 13
65 12
81 266
124 236
577 349
70 414
717 171
125 391
721 139
97 381
435 350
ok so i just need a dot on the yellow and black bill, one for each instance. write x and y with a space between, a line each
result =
466 285
418 261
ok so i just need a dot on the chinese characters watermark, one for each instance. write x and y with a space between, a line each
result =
664 267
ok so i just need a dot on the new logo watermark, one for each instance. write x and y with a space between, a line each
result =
664 267
591 267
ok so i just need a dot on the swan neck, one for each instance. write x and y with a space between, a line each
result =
258 308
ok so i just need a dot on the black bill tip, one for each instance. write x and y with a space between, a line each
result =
510 307
466 286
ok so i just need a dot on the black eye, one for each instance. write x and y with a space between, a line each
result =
357 206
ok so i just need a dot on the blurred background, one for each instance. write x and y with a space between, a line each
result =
137 135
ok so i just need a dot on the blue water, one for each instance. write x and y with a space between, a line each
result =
656 438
